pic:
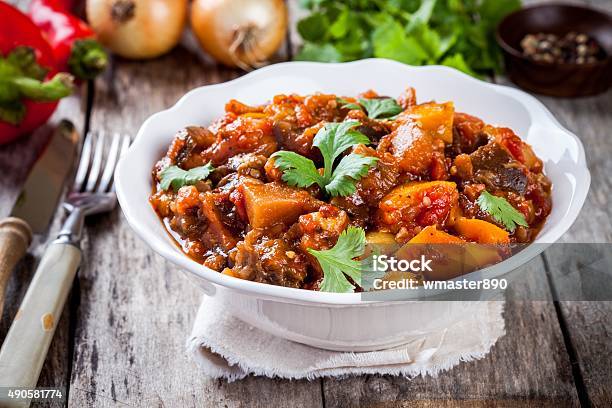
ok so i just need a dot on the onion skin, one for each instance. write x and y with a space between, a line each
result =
138 29
217 23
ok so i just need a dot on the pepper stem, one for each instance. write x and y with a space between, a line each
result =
56 88
87 59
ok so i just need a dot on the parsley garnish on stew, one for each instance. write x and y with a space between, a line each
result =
375 108
332 140
381 108
348 104
176 177
501 211
338 261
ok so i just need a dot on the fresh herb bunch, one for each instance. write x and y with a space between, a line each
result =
456 33
337 179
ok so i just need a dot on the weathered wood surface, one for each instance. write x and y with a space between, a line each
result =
121 339
589 323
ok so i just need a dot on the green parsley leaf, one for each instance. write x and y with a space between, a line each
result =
321 53
340 27
298 171
350 169
391 41
312 28
352 106
332 140
422 16
375 108
501 211
338 261
458 62
381 108
175 177
348 105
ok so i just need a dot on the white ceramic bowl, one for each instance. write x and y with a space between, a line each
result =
345 321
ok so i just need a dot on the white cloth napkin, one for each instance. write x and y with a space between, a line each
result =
225 347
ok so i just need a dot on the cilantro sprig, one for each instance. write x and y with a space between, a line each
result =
375 108
175 177
501 211
332 140
338 261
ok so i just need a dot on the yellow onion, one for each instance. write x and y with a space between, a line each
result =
239 33
138 28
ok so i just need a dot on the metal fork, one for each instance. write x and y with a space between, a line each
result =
93 191
27 342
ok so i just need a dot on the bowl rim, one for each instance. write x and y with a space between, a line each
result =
285 294
501 41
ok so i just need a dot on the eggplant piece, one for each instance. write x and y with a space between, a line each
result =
290 137
379 181
372 128
187 145
265 257
493 166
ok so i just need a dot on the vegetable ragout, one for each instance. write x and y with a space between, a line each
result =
296 191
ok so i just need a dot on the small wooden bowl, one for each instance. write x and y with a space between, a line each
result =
562 80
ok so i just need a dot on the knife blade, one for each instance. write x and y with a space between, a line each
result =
37 202
40 194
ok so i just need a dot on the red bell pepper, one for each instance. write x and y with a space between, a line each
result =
30 86
72 40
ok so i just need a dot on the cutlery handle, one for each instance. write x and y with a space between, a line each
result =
27 342
15 238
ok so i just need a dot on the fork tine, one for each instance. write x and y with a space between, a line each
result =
124 147
84 162
111 162
96 164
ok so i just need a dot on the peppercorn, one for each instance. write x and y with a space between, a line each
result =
571 48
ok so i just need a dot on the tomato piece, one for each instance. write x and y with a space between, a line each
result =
418 204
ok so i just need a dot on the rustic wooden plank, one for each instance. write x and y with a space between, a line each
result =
589 324
135 309
586 326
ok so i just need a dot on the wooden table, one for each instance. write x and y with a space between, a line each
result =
121 338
